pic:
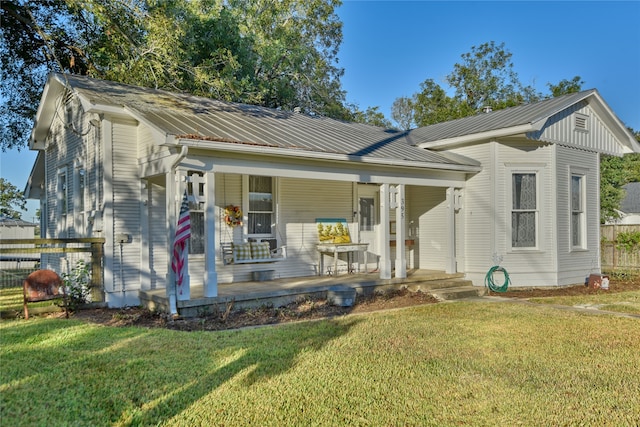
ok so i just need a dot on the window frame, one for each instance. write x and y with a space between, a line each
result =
246 195
537 173
62 197
196 196
581 211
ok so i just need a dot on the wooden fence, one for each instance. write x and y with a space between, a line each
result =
20 257
615 258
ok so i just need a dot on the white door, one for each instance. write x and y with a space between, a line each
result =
368 221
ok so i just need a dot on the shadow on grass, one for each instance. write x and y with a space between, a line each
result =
132 376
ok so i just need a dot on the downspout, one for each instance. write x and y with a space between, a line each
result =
171 286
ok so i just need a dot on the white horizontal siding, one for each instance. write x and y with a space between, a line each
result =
477 212
158 237
575 265
427 210
526 266
126 206
299 203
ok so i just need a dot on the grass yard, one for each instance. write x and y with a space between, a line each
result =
622 302
465 363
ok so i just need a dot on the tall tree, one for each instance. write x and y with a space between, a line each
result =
12 200
371 116
275 54
402 112
484 78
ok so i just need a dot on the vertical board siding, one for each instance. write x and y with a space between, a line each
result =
126 206
560 129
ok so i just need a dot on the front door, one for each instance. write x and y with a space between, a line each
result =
368 221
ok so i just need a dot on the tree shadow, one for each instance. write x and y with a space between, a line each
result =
260 361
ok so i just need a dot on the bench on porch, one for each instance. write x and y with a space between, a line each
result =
252 252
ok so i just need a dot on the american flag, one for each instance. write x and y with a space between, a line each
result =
180 249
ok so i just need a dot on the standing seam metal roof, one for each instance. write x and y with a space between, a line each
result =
499 119
188 116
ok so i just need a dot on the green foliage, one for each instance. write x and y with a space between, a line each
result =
615 172
275 54
628 241
371 116
12 200
565 87
76 284
484 78
402 112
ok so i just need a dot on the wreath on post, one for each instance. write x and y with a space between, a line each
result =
233 216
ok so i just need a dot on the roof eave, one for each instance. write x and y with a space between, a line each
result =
483 136
288 152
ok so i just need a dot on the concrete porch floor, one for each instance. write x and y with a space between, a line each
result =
279 292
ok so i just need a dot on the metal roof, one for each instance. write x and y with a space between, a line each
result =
186 116
528 114
631 201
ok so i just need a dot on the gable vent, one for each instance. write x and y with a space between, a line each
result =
581 122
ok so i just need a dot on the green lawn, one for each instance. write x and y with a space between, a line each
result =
623 302
465 363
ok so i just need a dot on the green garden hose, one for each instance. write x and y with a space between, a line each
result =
489 282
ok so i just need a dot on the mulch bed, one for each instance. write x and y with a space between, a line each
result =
309 309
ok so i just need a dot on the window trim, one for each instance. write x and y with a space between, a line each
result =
524 170
245 208
196 195
62 205
580 173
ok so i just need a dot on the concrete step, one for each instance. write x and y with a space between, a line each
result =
455 293
428 285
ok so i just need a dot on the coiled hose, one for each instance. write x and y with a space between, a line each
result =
491 284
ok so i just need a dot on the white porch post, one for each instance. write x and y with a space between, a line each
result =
383 234
451 231
184 292
210 273
401 258
170 209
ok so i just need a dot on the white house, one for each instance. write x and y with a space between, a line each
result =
516 186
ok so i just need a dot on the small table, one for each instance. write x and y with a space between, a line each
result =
335 249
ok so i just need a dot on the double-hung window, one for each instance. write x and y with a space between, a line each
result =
577 210
62 196
260 212
195 189
524 210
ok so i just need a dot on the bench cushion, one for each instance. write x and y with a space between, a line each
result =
241 251
260 250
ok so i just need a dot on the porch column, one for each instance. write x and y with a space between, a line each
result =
170 209
401 234
451 231
210 273
183 293
383 233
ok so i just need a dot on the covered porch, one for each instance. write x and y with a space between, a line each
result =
279 292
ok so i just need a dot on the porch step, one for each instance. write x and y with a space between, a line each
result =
455 293
433 284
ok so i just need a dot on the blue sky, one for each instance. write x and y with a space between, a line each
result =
390 47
